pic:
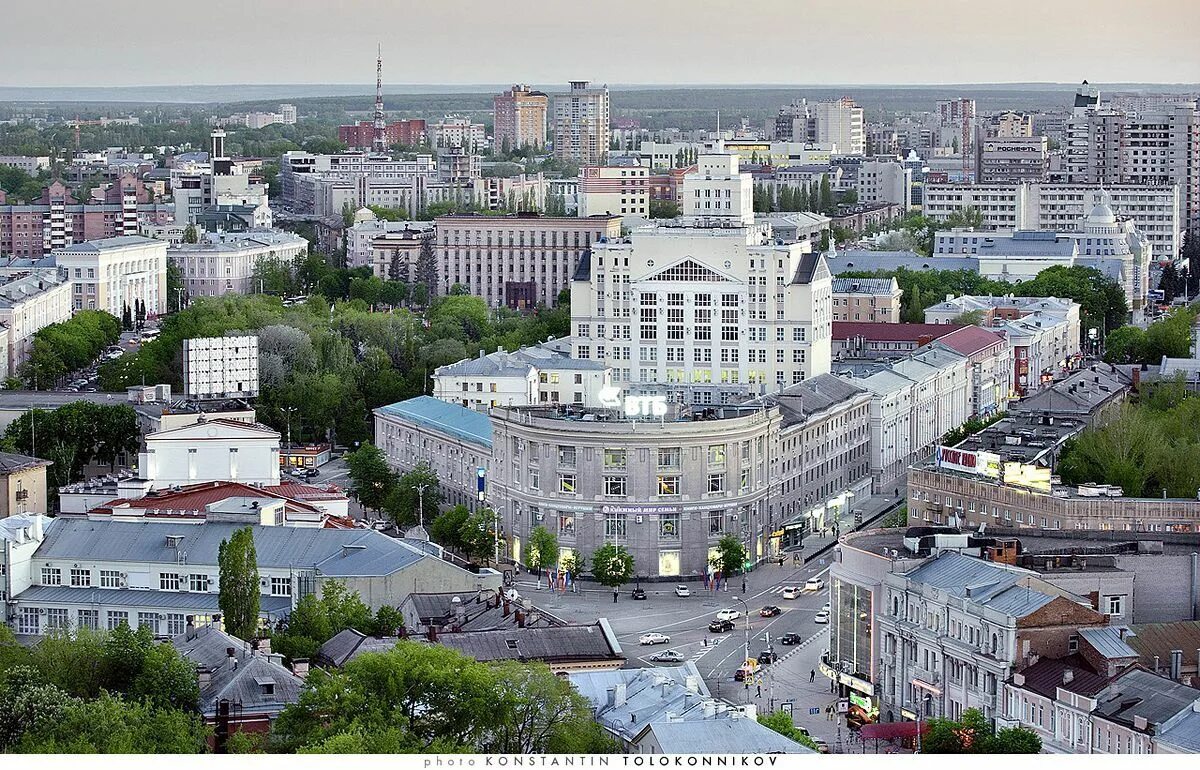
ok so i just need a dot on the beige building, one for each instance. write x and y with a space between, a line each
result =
22 484
614 190
581 124
875 300
1009 125
114 273
29 302
224 263
520 118
517 260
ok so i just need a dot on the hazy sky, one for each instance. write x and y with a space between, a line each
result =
148 42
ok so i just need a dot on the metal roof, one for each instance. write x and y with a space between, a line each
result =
798 402
104 244
1151 639
121 597
1139 693
1047 675
865 285
982 582
563 643
1184 733
334 552
1108 642
720 736
257 684
861 259
458 421
11 463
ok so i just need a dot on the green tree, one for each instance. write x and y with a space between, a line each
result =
239 597
373 479
448 527
389 214
28 704
1125 345
969 318
543 548
112 725
426 272
612 565
827 204
781 722
661 209
416 494
479 535
175 293
1015 740
731 556
167 679
968 216
190 235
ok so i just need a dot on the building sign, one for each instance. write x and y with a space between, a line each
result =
633 406
641 510
979 463
1028 476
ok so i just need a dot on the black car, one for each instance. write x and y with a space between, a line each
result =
639 593
790 639
720 626
767 657
312 472
769 611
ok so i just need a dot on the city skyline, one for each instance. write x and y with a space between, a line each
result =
921 43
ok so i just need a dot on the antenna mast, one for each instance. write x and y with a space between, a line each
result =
379 140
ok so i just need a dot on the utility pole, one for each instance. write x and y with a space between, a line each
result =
289 410
421 504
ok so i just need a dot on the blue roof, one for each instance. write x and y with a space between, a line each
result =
451 419
861 259
982 582
117 597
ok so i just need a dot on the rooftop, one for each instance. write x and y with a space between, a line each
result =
559 644
1152 640
109 244
248 678
812 396
458 421
1140 693
865 286
12 463
1048 674
201 603
889 332
983 582
968 340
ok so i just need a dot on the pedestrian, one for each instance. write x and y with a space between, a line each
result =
759 693
615 596
743 585
812 675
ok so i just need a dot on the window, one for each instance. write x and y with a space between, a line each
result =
176 624
566 483
716 482
81 578
1116 605
668 457
668 526
57 618
89 619
668 485
168 581
566 524
535 480
744 483
715 519
198 583
716 455
614 526
114 618
281 586
148 620
51 576
29 621
566 456
614 486
614 458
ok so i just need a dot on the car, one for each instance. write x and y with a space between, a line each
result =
728 614
720 626
747 669
827 607
639 593
790 592
767 657
822 746
789 639
769 611
814 584
667 656
682 590
654 638
312 473
822 617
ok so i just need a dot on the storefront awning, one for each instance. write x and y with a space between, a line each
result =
886 731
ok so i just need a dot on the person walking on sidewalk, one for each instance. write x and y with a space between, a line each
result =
812 675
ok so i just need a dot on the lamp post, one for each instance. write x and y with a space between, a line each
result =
920 706
289 410
747 608
421 504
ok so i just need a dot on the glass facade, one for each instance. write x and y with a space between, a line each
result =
850 628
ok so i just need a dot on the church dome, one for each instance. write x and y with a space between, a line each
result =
1102 214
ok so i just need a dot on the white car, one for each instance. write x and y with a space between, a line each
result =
814 584
822 616
791 592
654 638
682 590
728 615
826 607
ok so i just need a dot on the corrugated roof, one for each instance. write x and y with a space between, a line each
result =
969 340
103 244
335 552
816 394
1184 734
864 285
348 644
1048 674
1108 642
556 644
1151 639
11 463
1139 693
859 259
255 683
983 582
195 498
458 421
889 332
121 597
740 734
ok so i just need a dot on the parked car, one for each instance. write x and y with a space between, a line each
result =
822 617
639 593
822 746
667 656
312 473
728 614
767 657
769 611
814 584
720 626
654 638
789 639
790 592
682 590
746 670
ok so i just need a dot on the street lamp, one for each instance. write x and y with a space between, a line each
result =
747 608
421 504
920 708
289 410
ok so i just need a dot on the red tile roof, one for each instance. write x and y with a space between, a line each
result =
194 498
883 332
970 339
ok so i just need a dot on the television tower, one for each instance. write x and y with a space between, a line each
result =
379 140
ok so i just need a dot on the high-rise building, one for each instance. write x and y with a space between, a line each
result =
1008 125
520 118
581 124
1015 159
220 367
840 123
614 190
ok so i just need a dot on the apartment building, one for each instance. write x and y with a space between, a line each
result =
516 260
224 263
837 124
613 190
459 132
884 181
718 192
29 301
874 300
361 135
540 374
29 164
519 118
114 273
582 124
220 367
1009 125
320 184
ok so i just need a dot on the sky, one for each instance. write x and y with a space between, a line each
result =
803 42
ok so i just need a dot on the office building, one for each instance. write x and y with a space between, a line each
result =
1010 161
612 190
116 273
359 136
519 118
323 184
220 367
717 193
29 301
875 300
201 185
211 450
516 260
581 124
29 164
540 374
224 263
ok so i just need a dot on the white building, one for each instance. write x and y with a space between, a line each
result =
197 186
29 302
1154 210
29 164
839 123
541 374
710 314
884 181
717 193
614 190
458 131
321 184
224 263
582 128
114 273
220 367
667 154
211 450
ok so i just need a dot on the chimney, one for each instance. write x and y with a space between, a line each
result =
520 619
189 631
1155 669
1140 722
1019 680
300 667
1176 664
203 677
1068 676
692 684
506 607
619 694
611 699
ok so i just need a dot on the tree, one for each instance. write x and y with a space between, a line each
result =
781 722
662 209
447 528
968 216
190 235
427 269
827 205
479 535
731 556
416 493
239 599
1015 740
112 725
167 679
543 548
389 214
398 268
973 734
175 293
27 705
1125 345
126 318
373 479
969 318
612 565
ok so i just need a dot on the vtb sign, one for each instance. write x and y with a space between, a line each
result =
633 406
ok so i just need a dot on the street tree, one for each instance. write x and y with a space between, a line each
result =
416 495
543 548
373 479
479 535
612 565
239 597
781 722
448 527
731 556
